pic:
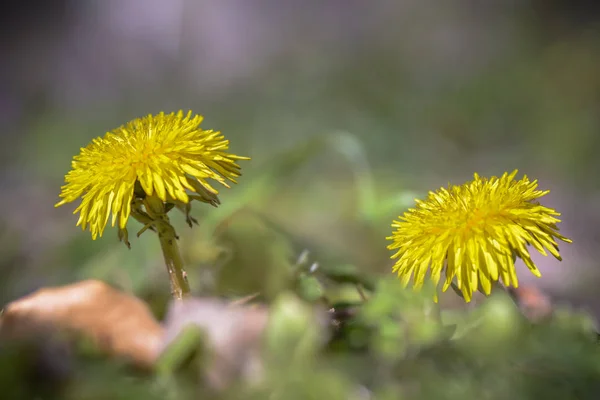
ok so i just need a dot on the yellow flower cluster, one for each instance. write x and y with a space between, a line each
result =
166 155
473 233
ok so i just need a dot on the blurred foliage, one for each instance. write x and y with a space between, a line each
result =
397 344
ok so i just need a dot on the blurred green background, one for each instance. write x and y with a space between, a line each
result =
349 110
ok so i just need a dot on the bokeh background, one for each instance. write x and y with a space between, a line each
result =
349 109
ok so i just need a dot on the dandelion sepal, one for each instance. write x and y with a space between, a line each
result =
168 243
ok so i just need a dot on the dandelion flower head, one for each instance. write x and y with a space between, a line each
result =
166 155
473 233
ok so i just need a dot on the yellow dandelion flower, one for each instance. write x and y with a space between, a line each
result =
167 156
473 233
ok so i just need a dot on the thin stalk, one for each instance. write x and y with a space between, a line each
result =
168 243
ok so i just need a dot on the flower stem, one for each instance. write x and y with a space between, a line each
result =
168 243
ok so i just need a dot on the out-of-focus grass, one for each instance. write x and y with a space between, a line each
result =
389 347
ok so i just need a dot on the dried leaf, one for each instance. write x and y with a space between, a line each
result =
119 324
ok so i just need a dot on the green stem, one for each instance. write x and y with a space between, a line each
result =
168 243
